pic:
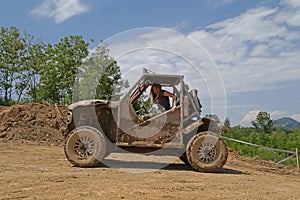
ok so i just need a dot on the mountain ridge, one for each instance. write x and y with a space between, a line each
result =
287 123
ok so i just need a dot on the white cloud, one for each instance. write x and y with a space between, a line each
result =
60 10
163 46
183 24
278 114
249 117
169 52
250 26
296 117
291 14
291 3
254 51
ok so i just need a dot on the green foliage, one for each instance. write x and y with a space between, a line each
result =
36 72
227 122
107 81
277 138
34 57
143 105
11 54
20 58
58 73
6 103
263 122
99 77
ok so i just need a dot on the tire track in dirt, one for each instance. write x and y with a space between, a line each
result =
32 171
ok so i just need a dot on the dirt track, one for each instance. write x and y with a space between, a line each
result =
33 166
31 171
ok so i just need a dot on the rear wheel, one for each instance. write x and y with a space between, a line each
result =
207 152
85 146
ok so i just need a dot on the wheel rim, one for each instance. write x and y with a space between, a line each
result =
207 152
84 147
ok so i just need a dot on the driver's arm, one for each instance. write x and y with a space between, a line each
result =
168 94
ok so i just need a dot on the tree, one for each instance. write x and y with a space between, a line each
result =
54 73
108 81
227 122
58 73
11 59
34 57
263 122
99 77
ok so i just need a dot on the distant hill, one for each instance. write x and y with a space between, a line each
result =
287 123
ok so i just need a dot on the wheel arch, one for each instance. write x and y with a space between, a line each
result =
208 124
97 115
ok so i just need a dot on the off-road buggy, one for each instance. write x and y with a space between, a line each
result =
96 128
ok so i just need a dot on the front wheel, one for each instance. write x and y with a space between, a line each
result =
206 152
85 146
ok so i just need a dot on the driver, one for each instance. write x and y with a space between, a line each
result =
161 97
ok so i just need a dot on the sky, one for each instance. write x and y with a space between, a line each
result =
241 55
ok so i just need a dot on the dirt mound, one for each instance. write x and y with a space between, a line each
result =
3 108
40 123
255 163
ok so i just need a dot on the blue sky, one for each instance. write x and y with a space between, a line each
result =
254 45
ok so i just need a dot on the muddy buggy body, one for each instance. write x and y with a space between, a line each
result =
97 128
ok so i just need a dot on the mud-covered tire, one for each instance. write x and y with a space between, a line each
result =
85 146
206 152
